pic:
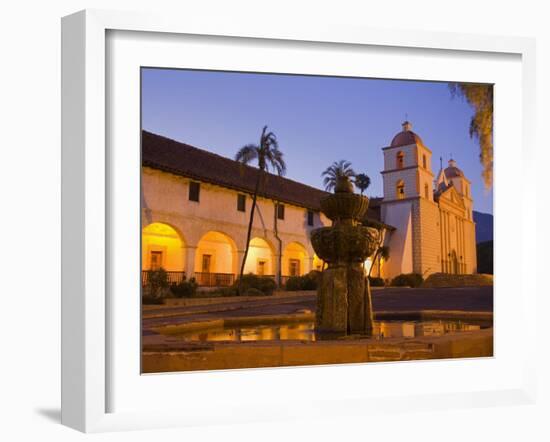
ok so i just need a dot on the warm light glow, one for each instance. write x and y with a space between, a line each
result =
260 258
161 246
215 254
295 257
317 263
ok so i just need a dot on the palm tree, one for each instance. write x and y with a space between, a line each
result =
362 181
267 154
337 175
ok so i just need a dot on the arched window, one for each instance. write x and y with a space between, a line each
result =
424 162
400 190
400 160
427 191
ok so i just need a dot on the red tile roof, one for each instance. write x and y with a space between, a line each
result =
172 156
405 138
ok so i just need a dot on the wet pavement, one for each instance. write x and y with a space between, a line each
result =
467 299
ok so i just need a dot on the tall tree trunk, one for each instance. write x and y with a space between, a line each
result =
380 242
249 232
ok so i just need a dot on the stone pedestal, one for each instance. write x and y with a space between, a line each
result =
343 300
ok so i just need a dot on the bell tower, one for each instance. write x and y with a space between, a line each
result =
408 202
407 167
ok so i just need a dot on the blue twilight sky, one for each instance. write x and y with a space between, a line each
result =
317 120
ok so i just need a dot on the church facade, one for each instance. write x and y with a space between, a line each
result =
432 215
196 205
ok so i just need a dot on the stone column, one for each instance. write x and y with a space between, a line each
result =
189 253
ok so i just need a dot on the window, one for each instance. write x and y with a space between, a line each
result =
424 162
280 211
206 262
194 191
294 267
156 260
400 190
427 191
241 203
310 217
400 160
260 270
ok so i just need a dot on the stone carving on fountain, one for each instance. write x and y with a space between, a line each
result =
343 295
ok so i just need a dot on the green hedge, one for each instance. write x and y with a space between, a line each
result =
376 282
261 285
184 289
157 283
407 280
305 282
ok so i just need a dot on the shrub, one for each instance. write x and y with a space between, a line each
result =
305 282
293 283
407 280
185 288
265 285
376 282
157 282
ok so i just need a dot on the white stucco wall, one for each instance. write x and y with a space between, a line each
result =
409 158
398 215
165 199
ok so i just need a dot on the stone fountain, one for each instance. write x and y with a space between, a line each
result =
343 296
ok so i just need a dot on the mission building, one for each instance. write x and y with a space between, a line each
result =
196 207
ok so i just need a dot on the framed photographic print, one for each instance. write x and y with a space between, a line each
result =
261 223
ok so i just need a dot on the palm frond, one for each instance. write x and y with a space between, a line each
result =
337 170
277 162
247 153
362 181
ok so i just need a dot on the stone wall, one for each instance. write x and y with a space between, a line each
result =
429 244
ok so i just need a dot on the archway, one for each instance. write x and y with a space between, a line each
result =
295 259
215 260
399 160
400 189
162 247
261 258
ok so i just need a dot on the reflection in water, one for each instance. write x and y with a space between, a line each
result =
306 331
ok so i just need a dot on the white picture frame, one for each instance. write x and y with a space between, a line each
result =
87 356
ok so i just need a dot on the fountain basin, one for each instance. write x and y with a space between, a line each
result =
344 243
340 206
397 336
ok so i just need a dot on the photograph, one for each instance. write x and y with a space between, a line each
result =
300 220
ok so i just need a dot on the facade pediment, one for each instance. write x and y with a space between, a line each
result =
452 197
